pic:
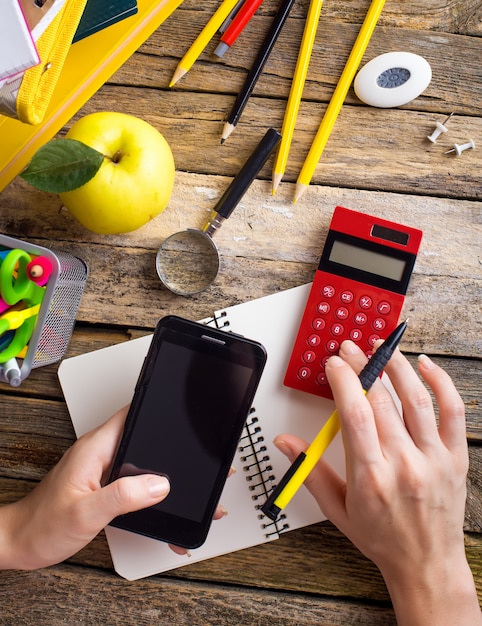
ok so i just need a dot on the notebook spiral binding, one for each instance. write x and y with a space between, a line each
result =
259 472
220 321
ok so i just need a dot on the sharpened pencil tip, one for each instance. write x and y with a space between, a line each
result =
276 181
179 73
299 191
227 130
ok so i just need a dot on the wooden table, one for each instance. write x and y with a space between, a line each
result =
376 160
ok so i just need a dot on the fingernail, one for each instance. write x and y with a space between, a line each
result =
335 361
425 362
349 347
283 447
158 486
223 510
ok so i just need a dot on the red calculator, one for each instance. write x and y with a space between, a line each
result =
357 293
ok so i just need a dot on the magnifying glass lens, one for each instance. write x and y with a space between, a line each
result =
187 262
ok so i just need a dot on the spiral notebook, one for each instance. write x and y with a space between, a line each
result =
96 384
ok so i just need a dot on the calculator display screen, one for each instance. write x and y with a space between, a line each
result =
367 260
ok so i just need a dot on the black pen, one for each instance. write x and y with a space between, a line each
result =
306 461
257 68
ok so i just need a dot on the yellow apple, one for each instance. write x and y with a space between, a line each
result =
134 182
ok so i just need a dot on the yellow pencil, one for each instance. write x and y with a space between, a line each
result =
338 97
296 91
313 454
203 39
301 467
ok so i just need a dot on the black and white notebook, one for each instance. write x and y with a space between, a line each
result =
96 384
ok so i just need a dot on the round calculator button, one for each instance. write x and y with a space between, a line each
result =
342 313
378 324
384 307
337 329
304 373
309 356
321 378
360 319
346 296
318 323
328 291
332 346
323 308
372 339
365 302
356 334
313 340
324 360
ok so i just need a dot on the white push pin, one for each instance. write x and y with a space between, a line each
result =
459 149
439 129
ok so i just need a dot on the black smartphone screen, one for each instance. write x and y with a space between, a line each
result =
190 405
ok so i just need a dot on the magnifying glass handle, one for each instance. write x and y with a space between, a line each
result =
240 183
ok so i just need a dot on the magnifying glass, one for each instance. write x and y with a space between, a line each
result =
188 261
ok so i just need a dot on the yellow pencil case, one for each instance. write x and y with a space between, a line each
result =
27 97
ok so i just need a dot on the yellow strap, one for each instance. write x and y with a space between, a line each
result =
39 82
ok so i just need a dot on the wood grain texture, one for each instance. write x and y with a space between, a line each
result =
105 599
376 161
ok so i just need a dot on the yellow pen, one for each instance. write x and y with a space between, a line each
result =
294 98
203 39
338 97
306 461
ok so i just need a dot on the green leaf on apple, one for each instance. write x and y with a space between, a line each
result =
62 165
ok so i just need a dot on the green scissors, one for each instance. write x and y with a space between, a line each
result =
15 287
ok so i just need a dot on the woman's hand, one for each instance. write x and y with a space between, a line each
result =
70 506
402 503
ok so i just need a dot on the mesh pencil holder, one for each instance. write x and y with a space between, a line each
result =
35 329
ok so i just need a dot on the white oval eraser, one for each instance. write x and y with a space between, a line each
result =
392 79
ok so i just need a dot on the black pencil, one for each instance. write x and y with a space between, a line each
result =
257 68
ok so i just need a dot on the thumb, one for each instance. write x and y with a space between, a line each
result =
130 493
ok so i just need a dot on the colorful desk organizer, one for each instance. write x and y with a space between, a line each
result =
45 314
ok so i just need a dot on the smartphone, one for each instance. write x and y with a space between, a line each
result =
190 404
357 293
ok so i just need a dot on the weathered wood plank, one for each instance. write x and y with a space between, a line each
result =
448 16
34 435
357 154
263 225
58 593
318 548
158 57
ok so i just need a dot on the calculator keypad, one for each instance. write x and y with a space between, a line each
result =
338 309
